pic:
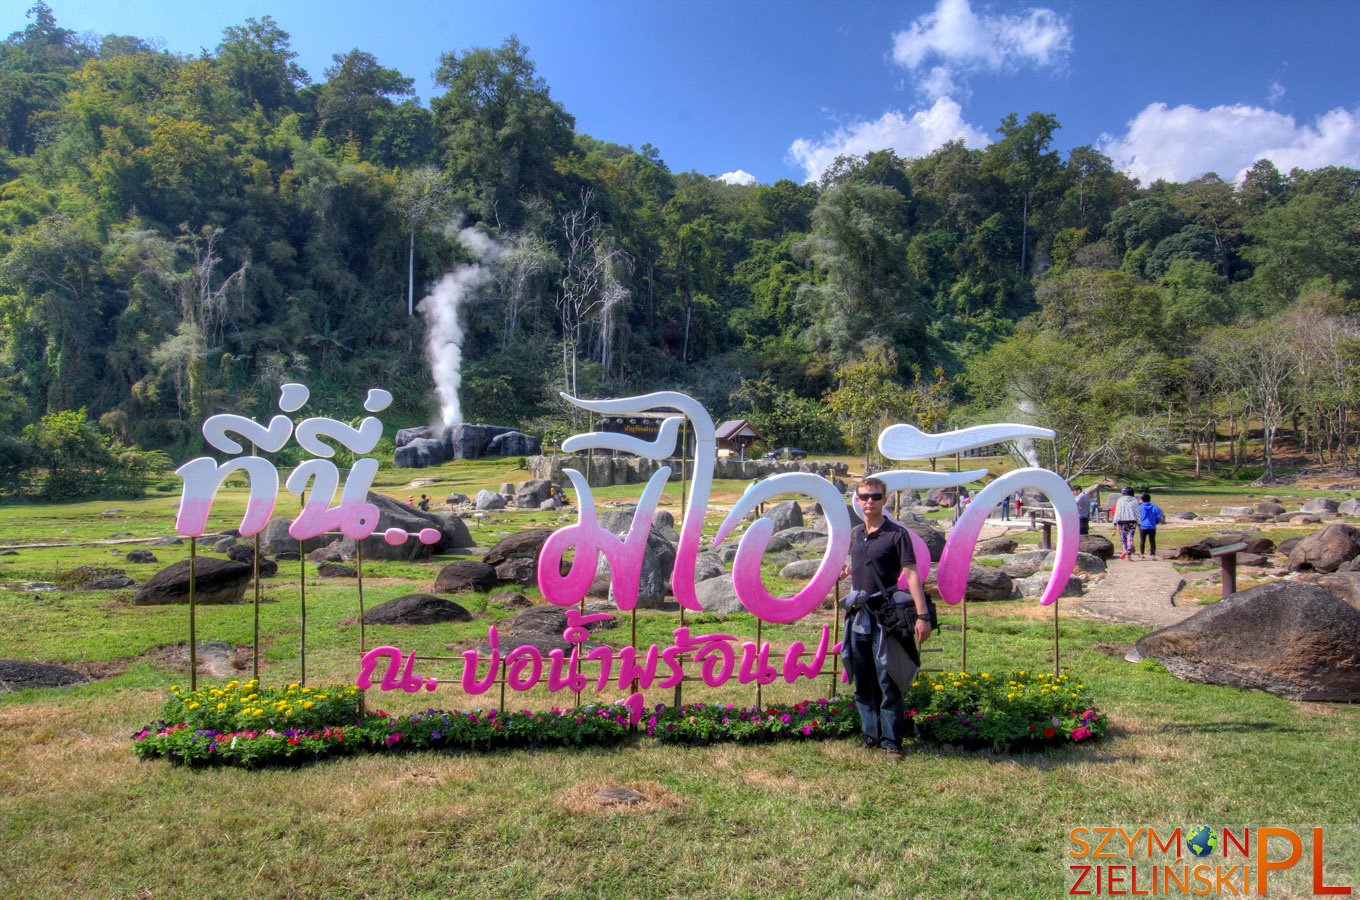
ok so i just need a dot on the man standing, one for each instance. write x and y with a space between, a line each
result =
882 665
1084 505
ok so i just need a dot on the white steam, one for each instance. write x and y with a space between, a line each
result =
444 336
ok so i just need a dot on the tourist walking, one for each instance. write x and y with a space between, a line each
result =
1124 515
1006 508
1149 517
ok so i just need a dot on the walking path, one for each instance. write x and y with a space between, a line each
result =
1140 591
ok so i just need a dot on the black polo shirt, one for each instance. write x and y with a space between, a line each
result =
888 548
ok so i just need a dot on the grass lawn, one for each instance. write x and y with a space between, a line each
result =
82 815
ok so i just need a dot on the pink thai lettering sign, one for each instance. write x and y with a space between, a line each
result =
718 658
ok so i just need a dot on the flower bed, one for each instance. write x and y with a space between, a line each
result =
246 725
1016 711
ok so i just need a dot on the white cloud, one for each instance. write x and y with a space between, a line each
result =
959 42
1275 93
926 130
1183 142
740 176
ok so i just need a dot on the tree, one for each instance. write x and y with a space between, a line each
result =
423 197
1024 161
590 288
357 93
1265 368
867 399
500 129
258 60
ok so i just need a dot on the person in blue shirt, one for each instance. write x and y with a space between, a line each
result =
1149 517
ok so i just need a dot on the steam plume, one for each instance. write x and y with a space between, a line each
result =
443 335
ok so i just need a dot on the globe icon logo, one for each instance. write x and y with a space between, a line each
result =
1201 840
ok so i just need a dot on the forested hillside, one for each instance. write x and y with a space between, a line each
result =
179 234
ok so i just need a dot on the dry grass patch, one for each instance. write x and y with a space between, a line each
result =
591 796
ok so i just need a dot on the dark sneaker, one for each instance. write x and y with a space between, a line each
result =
867 742
894 752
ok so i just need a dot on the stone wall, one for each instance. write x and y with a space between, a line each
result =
603 470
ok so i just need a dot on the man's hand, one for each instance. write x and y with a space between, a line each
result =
922 629
845 570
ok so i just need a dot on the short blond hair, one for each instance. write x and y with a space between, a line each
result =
871 481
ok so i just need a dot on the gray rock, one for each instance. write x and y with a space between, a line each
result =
167 541
717 595
1096 545
241 553
18 674
1298 641
727 555
215 581
1345 584
803 537
823 527
1320 506
420 453
514 443
465 576
706 566
1185 515
550 503
1303 519
933 537
457 499
1349 507
997 545
488 500
275 538
1087 563
1034 586
108 583
141 556
531 494
1326 550
1267 508
416 609
1255 559
335 570
1238 511
785 515
800 570
327 554
988 583
515 557
224 544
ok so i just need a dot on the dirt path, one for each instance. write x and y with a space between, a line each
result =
1140 591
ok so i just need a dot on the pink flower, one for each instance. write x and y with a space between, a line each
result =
807 729
393 738
1081 733
785 719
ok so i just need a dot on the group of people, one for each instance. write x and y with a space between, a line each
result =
1130 515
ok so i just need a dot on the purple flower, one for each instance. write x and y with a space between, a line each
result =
436 735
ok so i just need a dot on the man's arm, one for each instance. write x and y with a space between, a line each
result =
918 596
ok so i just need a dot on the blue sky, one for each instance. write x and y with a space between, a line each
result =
767 90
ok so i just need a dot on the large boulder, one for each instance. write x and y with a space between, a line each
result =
1326 550
1096 545
1320 506
465 576
215 581
1086 563
1268 508
1345 584
515 557
658 560
988 583
531 494
1035 585
420 453
514 443
542 627
785 515
933 537
489 500
395 514
336 570
804 538
416 609
717 595
824 528
141 556
275 538
800 570
706 566
1297 641
996 546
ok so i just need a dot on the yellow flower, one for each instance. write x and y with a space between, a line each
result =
308 704
985 675
193 706
221 706
939 687
293 686
958 684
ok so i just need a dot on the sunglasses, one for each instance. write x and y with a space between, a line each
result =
874 496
